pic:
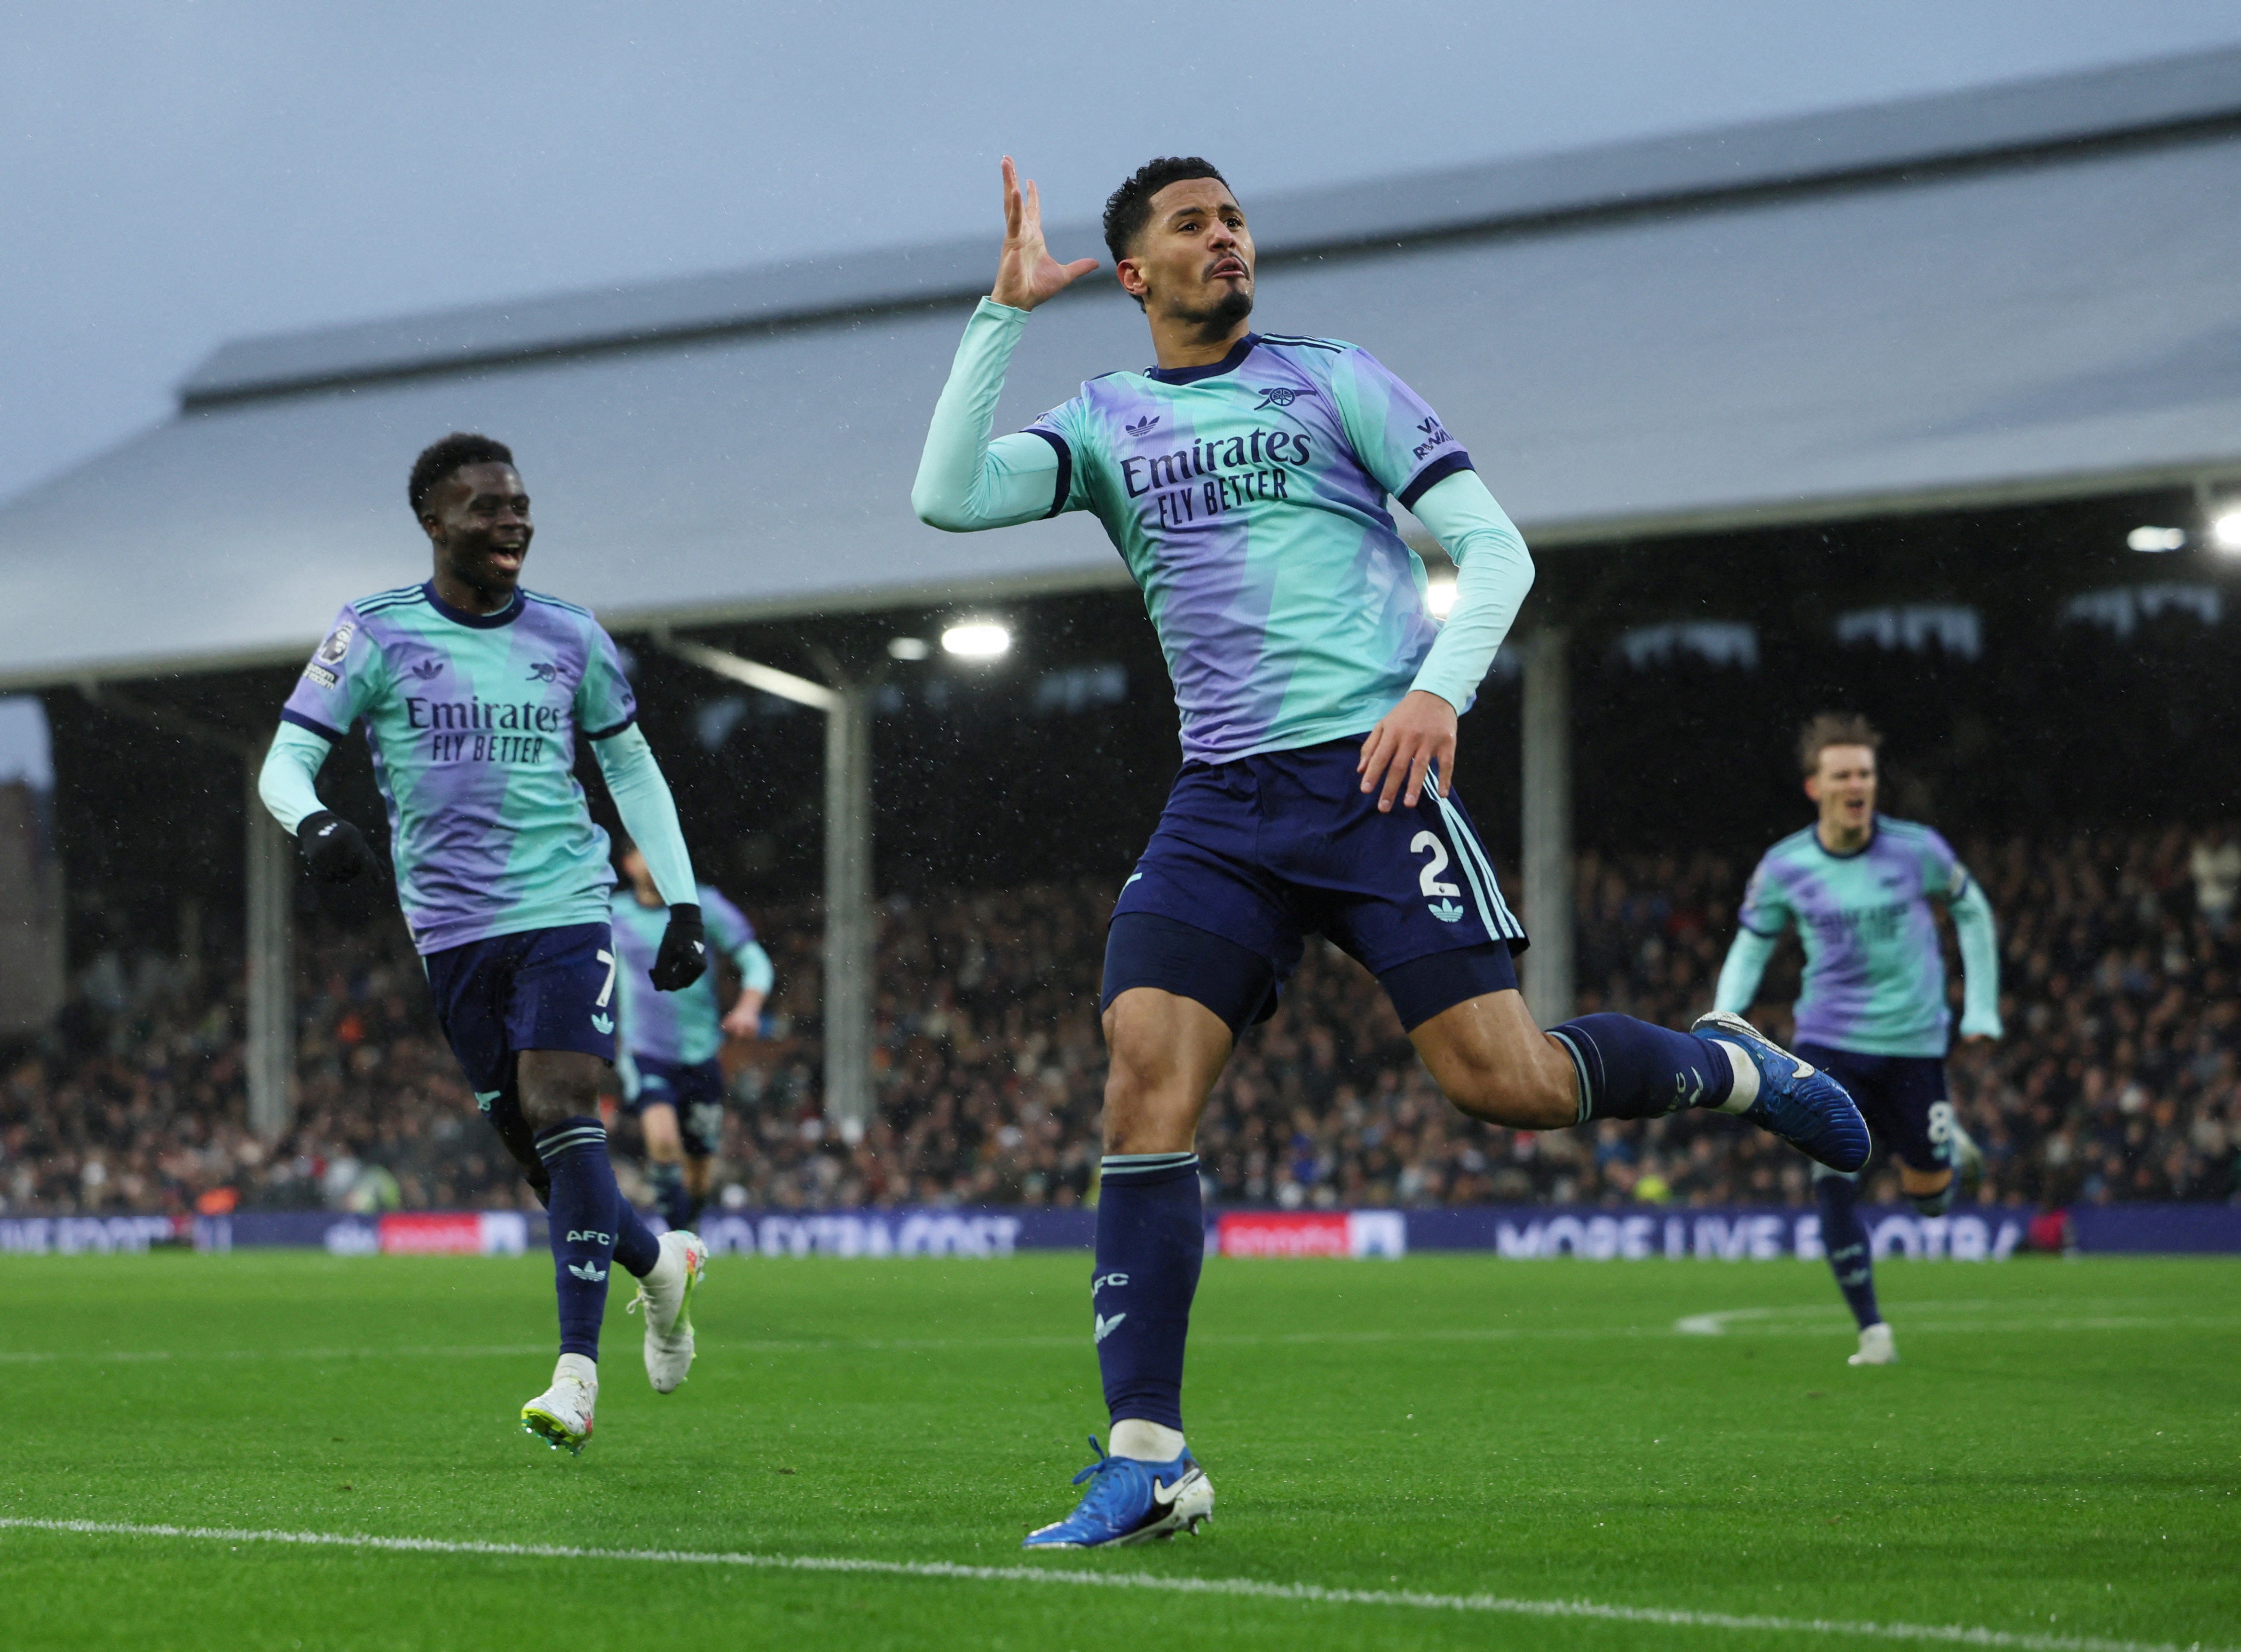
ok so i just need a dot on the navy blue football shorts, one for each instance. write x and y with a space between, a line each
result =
1901 1097
543 989
695 1089
1251 857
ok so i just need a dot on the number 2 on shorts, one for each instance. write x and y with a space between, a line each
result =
1428 879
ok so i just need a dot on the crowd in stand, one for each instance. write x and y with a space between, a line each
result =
2118 1079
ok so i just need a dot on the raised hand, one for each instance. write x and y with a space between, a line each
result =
1026 274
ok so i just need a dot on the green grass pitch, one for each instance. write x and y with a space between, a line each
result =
2056 1462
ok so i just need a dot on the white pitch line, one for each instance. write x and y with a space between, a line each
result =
1242 1588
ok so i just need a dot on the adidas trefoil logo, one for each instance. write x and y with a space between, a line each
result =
1143 425
590 1273
604 1023
1446 911
1106 1327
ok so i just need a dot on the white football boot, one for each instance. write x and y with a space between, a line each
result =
666 1296
1875 1346
562 1414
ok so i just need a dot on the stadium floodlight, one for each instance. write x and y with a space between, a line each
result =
976 639
1439 598
907 648
2148 538
2225 528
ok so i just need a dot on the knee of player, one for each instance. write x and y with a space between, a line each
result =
546 1110
555 1095
1145 1113
1131 1095
1133 1069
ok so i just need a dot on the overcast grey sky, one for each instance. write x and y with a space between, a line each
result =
172 175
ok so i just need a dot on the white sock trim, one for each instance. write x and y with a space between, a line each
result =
1145 1441
1746 1070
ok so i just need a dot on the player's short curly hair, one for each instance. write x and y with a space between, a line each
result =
1834 728
438 460
1128 208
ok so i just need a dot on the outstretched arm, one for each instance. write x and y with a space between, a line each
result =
1980 963
965 481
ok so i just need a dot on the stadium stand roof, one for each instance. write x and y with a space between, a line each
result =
2020 292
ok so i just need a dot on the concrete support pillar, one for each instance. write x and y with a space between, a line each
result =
849 964
1548 826
270 1056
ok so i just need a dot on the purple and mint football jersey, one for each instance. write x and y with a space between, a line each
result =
472 720
1248 499
1875 975
683 1028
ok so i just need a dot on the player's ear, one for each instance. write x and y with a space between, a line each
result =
1130 275
1813 787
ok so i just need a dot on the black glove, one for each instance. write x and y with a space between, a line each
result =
684 956
337 850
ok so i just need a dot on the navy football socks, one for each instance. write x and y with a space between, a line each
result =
1844 1236
1937 1204
1151 1243
669 1196
592 1228
1631 1069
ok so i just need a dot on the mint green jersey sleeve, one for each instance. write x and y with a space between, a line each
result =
606 704
649 811
1980 959
346 674
966 481
1766 914
1740 976
1493 571
1944 878
730 933
288 782
756 970
1767 911
1392 429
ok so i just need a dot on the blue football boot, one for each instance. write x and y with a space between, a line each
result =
1797 1100
1130 1502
